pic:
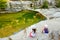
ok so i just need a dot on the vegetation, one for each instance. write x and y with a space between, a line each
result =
45 4
57 3
3 4
11 23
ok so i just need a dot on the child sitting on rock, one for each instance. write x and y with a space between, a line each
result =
33 33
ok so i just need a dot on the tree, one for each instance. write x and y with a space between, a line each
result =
3 4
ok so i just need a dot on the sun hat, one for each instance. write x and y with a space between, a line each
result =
46 25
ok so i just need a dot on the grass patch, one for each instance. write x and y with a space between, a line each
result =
13 22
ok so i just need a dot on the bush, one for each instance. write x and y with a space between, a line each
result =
3 4
45 4
57 3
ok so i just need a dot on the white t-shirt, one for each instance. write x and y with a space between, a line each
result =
33 34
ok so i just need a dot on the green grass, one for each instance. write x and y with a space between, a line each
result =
13 22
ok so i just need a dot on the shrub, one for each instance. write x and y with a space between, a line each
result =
45 4
3 4
57 3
